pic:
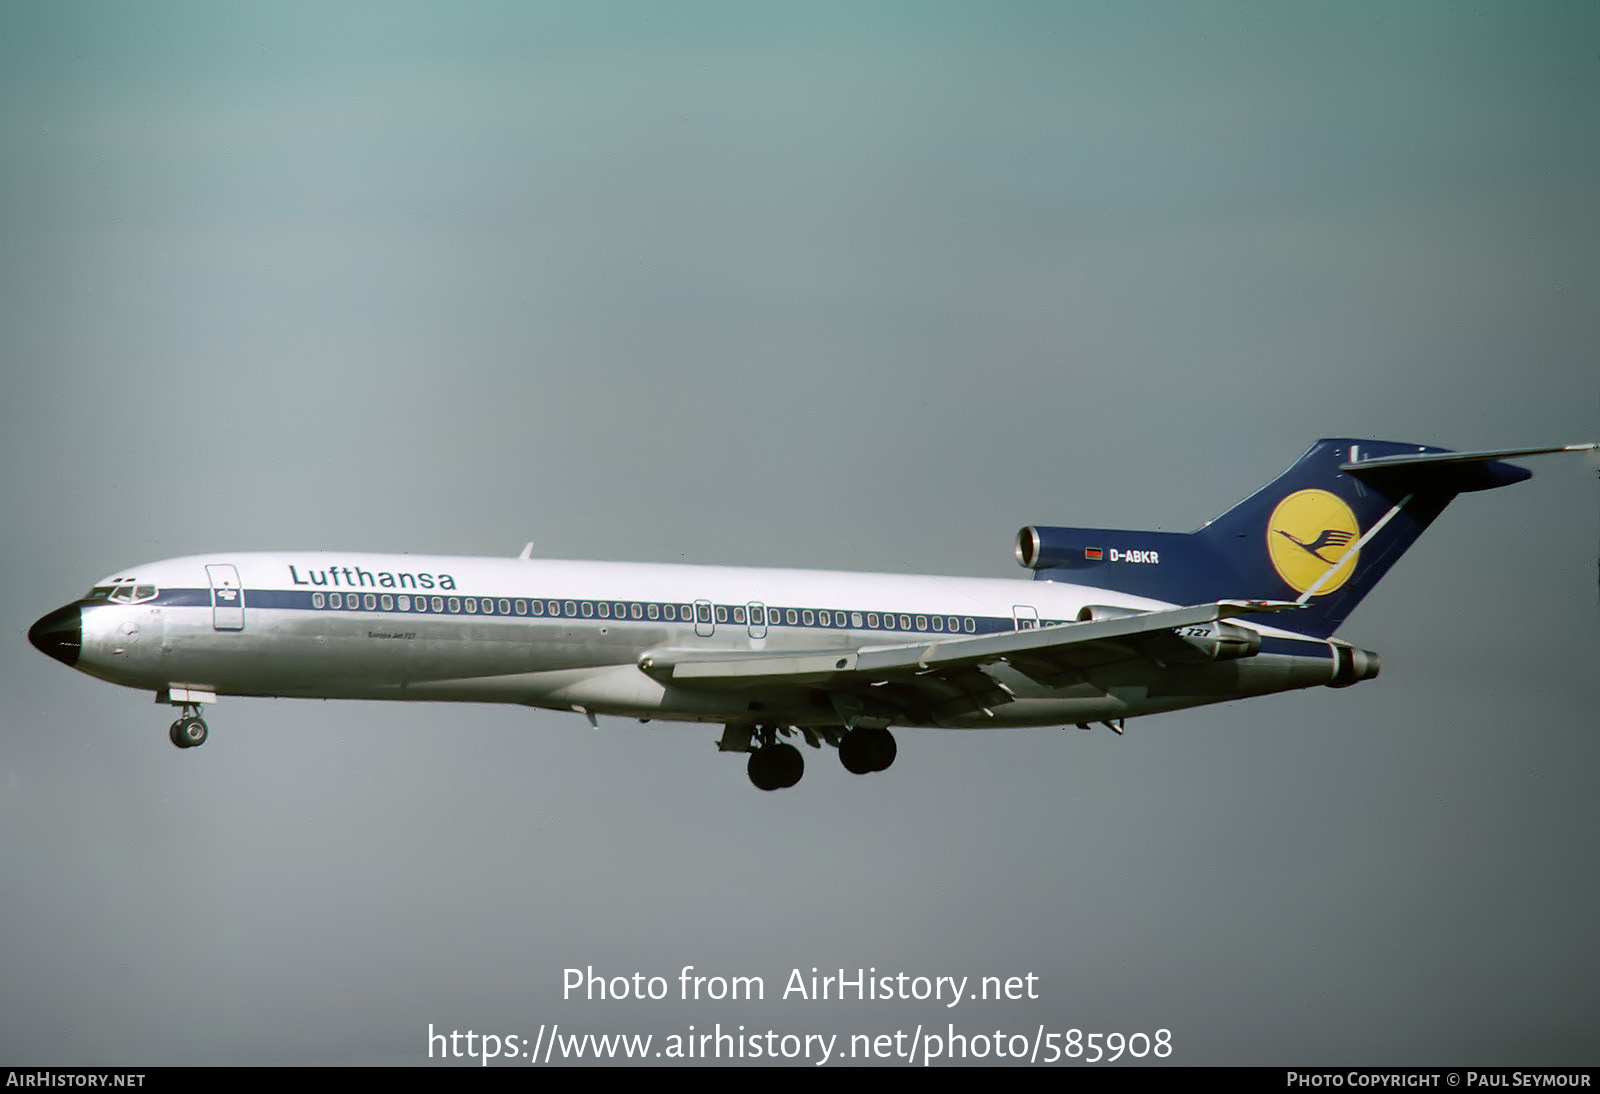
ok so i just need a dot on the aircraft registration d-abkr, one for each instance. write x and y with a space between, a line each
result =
1113 625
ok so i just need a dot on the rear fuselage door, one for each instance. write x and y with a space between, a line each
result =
757 619
1026 616
227 597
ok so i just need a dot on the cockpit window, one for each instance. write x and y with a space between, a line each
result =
123 592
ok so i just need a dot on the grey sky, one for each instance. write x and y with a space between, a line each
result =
839 286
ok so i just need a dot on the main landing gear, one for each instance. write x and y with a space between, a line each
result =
189 731
776 764
865 750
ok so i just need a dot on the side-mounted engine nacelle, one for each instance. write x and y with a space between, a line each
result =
1208 641
1221 641
1046 548
1352 665
1094 613
1043 548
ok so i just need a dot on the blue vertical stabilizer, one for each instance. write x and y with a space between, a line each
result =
1324 532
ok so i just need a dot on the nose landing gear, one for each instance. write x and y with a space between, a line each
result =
189 731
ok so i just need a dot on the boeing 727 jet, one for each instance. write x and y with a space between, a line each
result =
1114 624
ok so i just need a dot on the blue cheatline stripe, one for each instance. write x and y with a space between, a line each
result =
618 611
298 600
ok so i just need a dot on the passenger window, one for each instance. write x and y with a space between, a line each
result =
905 622
685 611
587 607
537 607
704 614
855 619
822 617
791 617
774 617
637 611
335 600
922 622
806 617
722 613
572 608
472 604
738 614
671 610
655 611
404 601
372 602
522 607
971 625
455 604
938 622
605 610
388 602
505 607
318 600
438 603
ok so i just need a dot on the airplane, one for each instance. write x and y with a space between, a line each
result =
1114 624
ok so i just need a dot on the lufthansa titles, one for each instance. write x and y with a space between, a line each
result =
355 578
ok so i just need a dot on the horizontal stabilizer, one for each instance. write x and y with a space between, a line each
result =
1462 457
1458 472
1325 531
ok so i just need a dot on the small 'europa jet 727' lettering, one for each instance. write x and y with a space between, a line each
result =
1113 625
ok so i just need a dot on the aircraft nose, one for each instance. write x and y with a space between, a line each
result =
59 634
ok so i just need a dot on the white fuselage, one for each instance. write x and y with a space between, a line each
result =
572 635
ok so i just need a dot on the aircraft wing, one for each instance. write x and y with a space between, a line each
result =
947 677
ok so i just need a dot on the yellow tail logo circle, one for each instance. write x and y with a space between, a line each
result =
1310 533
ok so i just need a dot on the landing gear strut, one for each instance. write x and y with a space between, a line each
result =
189 731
